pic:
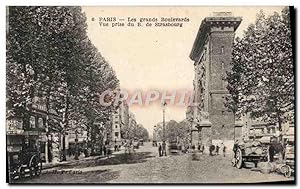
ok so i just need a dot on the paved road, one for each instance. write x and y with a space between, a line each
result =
144 166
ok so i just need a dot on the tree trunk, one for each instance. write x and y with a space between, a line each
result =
47 123
280 127
65 124
92 138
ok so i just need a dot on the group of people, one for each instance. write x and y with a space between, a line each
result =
117 147
128 147
162 149
215 149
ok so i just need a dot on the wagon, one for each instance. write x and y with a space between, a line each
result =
24 163
260 144
289 157
251 151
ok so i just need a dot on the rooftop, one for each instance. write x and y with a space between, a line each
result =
217 19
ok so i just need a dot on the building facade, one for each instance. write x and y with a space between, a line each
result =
211 54
120 118
132 125
36 129
116 126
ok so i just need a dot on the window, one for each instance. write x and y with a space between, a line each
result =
223 74
222 50
204 55
273 130
40 123
116 134
222 69
116 126
32 122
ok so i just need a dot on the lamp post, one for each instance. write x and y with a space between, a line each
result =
164 111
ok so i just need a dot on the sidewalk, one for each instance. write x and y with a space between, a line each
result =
71 160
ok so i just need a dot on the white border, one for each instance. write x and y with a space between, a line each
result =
116 2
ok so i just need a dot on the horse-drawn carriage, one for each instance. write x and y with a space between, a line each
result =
24 163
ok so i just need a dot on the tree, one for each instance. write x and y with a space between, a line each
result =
175 131
23 58
141 132
261 81
98 77
50 56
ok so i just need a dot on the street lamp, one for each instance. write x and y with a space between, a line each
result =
164 110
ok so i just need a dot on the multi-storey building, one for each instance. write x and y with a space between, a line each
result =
132 124
31 128
116 127
120 118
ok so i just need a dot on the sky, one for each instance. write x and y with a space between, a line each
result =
146 58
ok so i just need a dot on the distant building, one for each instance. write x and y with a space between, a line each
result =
124 113
116 127
211 54
132 124
253 128
120 118
158 131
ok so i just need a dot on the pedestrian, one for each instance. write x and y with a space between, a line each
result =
159 150
211 149
193 147
271 153
199 147
164 151
217 149
223 147
108 151
126 147
132 148
70 151
104 150
115 147
202 148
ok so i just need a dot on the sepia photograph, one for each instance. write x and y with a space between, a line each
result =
150 95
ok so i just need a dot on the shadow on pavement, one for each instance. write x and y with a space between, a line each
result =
137 157
99 176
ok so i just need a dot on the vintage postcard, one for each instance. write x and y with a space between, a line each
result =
150 95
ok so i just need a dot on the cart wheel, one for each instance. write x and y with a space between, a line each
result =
286 170
35 166
31 172
239 158
233 160
21 172
38 168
